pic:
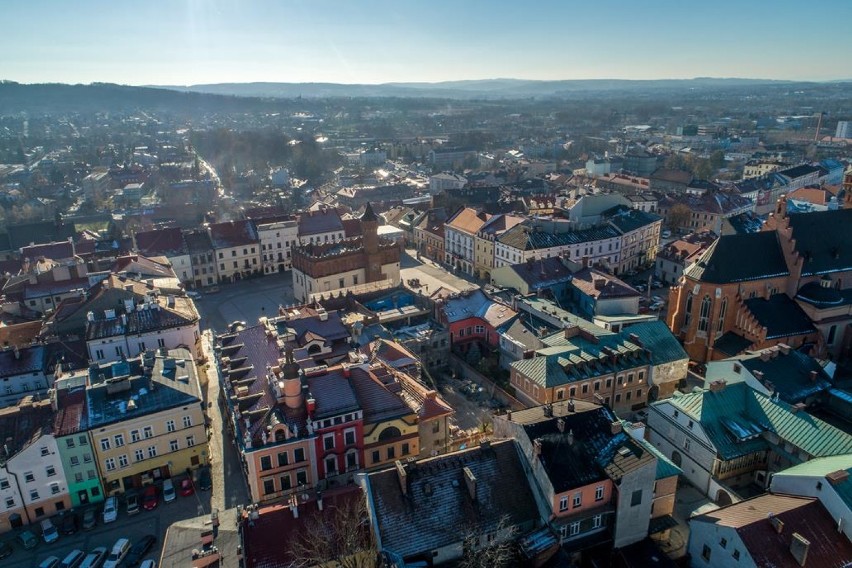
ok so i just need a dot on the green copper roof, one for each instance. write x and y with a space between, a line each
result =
736 418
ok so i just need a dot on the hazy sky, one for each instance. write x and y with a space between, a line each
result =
364 41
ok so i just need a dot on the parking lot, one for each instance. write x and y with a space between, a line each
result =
131 527
245 300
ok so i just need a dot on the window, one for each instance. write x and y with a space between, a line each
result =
119 440
122 461
376 456
152 451
170 425
705 553
29 477
819 486
391 453
139 455
832 331
597 386
4 484
301 477
268 486
33 495
298 455
599 493
39 512
282 459
722 311
436 427
87 458
190 441
105 445
574 528
597 521
405 449
148 432
78 477
609 383
563 503
585 388
110 464
10 502
636 498
99 354
187 421
704 314
688 311
265 463
578 500
723 543
91 475
687 443
134 436
328 442
285 482
349 437
69 442
736 554
331 465
173 445
50 470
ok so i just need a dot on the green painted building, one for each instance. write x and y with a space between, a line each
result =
71 426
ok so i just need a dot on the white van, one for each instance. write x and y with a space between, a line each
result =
110 509
117 554
73 560
168 491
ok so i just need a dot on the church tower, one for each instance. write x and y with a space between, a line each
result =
370 229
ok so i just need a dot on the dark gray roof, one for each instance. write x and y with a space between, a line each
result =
22 361
824 239
438 508
543 273
627 219
107 402
781 316
333 394
790 374
740 258
524 237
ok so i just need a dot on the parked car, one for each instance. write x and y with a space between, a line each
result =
28 540
148 564
666 233
73 559
186 487
49 562
90 519
150 500
117 554
193 294
168 491
5 549
213 290
49 532
110 509
140 549
132 503
204 480
95 558
69 523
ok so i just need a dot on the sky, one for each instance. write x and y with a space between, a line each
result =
184 42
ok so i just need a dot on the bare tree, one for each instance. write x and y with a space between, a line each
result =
338 536
490 549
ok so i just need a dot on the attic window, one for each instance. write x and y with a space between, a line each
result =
738 368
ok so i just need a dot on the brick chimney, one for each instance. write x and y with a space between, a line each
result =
837 477
784 348
718 385
635 339
615 427
799 548
765 355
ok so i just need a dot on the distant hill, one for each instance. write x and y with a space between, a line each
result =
58 97
486 88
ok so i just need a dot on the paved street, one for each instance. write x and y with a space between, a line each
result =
145 522
245 301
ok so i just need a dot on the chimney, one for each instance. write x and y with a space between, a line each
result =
548 410
765 355
758 375
837 477
798 406
718 385
403 477
784 348
537 448
560 424
470 482
615 427
813 376
600 283
509 415
777 524
799 548
635 339
572 331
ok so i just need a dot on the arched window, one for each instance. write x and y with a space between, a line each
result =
389 433
688 315
704 314
722 311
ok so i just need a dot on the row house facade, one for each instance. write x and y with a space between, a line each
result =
237 249
146 419
459 238
278 238
33 485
